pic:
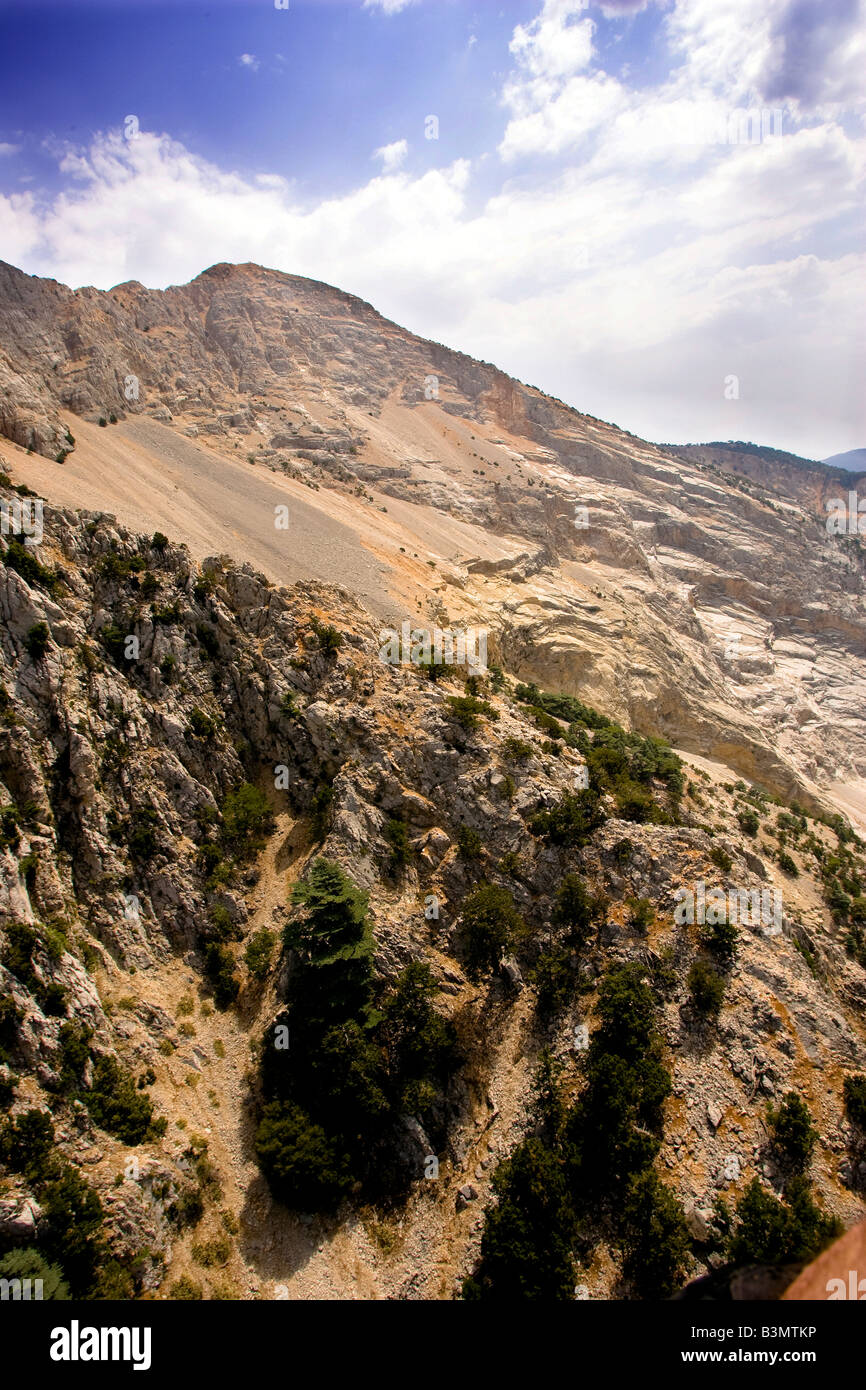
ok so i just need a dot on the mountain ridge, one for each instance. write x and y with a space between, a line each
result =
442 489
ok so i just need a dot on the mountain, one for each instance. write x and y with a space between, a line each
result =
685 599
853 461
330 975
180 747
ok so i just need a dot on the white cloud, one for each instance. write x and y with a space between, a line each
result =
249 61
619 9
8 149
553 45
563 119
388 6
629 272
392 156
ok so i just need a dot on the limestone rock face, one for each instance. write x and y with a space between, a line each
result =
115 771
691 592
174 674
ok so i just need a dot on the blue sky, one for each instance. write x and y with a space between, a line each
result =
578 220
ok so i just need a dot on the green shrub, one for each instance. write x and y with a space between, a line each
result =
553 977
208 640
259 953
402 850
572 821
793 1135
576 909
469 842
11 1017
117 1106
20 557
547 723
330 639
491 925
159 542
70 1232
721 859
118 568
721 938
437 670
167 614
36 641
74 1039
186 1290
141 834
187 1208
304 1168
247 818
211 861
562 706
749 822
27 1143
222 926
615 1127
855 1100
656 1240
769 1231
468 712
211 1252
526 1245
641 914
635 803
10 836
622 852
335 911
359 1059
220 970
706 988
202 725
321 809
787 865
113 639
22 944
516 750
21 1263
417 1043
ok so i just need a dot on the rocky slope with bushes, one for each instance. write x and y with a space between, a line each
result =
694 592
323 977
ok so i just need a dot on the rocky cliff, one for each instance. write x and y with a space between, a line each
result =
181 742
682 595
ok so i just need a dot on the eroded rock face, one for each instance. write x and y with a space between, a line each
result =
119 766
684 600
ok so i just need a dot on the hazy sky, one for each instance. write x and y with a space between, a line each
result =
591 214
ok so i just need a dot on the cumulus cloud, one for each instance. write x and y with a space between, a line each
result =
614 9
392 156
8 149
249 61
388 6
556 42
818 53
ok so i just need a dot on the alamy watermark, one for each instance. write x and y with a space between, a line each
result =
750 907
846 520
855 1291
22 516
434 646
707 124
24 1290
